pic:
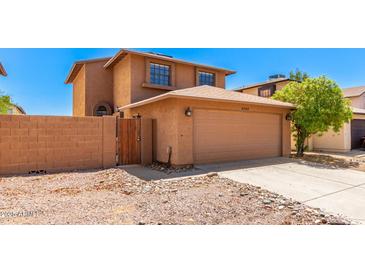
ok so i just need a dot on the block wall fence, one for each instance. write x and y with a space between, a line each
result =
56 143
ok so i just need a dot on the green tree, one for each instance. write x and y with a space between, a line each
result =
320 106
298 76
5 103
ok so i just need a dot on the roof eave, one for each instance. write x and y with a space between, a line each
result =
76 67
72 73
116 58
262 84
20 109
167 96
3 71
124 52
354 95
358 111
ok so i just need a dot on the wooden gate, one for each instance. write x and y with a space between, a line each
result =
129 141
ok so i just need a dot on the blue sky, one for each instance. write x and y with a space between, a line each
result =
36 76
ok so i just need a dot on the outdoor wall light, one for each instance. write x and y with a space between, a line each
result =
289 116
188 112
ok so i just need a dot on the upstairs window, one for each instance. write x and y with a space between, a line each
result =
206 78
267 91
160 74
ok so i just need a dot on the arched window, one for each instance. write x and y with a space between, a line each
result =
102 109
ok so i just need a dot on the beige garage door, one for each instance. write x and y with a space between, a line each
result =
232 135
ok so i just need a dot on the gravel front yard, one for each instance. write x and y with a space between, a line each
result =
115 197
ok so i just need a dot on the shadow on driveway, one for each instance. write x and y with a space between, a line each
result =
146 173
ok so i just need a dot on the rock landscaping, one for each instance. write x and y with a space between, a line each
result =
334 161
170 169
114 196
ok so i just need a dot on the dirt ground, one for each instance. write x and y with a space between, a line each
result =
115 197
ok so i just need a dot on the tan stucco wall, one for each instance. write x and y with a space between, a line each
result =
332 141
99 86
252 91
130 75
358 102
92 85
122 82
78 100
55 143
138 73
173 129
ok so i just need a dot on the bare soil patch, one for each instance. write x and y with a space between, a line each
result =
114 196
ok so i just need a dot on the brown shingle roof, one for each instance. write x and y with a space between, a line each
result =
78 65
354 91
123 52
2 70
209 93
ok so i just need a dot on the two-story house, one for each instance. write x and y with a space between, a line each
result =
196 120
101 86
349 136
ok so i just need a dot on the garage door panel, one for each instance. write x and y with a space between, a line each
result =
225 156
357 131
252 146
232 135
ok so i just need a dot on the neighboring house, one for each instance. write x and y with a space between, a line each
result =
13 109
196 120
2 70
16 110
349 136
266 88
357 97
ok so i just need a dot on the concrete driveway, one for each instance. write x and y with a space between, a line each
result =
339 191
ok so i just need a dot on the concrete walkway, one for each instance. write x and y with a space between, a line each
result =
339 191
